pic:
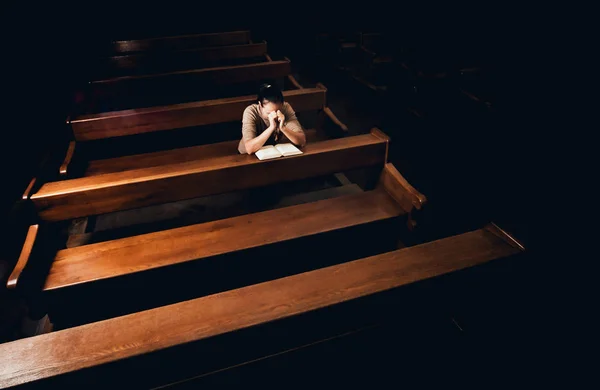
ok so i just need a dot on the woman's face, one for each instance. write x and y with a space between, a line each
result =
269 107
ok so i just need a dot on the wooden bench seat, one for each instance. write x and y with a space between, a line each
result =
181 42
192 323
177 87
172 156
109 192
196 78
146 63
143 120
113 259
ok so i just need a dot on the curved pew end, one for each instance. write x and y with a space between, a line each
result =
402 191
63 170
29 190
26 254
510 239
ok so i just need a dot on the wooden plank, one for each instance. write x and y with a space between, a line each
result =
400 189
178 60
142 187
129 255
172 156
63 170
49 355
182 42
194 78
24 257
144 120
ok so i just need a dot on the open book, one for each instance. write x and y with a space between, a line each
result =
279 150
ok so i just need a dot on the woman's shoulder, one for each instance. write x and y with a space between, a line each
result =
251 110
287 107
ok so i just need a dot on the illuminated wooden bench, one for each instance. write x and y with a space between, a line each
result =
209 112
312 301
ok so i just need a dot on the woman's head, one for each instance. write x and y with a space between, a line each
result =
270 98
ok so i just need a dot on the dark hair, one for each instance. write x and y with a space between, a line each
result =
270 93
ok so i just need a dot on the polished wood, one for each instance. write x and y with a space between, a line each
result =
182 42
400 189
49 355
327 111
129 255
143 187
145 120
173 156
510 239
178 60
26 252
201 78
294 82
29 190
220 75
63 170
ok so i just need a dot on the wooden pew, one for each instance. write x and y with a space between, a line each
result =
215 169
180 116
345 291
212 168
174 87
145 63
207 112
181 42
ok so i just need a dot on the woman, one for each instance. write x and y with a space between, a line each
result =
269 121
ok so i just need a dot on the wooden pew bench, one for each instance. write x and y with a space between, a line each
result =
217 171
128 92
147 63
180 42
183 125
109 192
153 346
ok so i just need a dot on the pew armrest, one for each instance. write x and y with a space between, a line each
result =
400 189
334 119
26 253
294 82
64 167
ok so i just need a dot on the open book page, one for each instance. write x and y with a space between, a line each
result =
267 152
288 149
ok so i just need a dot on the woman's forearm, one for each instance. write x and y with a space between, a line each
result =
257 142
297 138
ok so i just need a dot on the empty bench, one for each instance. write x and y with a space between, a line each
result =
181 42
146 63
202 325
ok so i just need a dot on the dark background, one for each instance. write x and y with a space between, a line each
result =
46 46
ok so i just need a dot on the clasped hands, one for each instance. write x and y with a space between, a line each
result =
276 120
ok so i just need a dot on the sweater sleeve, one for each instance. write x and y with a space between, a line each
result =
291 121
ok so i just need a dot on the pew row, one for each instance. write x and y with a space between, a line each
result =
145 63
176 87
205 170
72 354
181 42
219 171
207 112
198 78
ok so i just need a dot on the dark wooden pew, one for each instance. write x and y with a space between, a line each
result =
181 42
346 291
146 63
143 120
175 87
